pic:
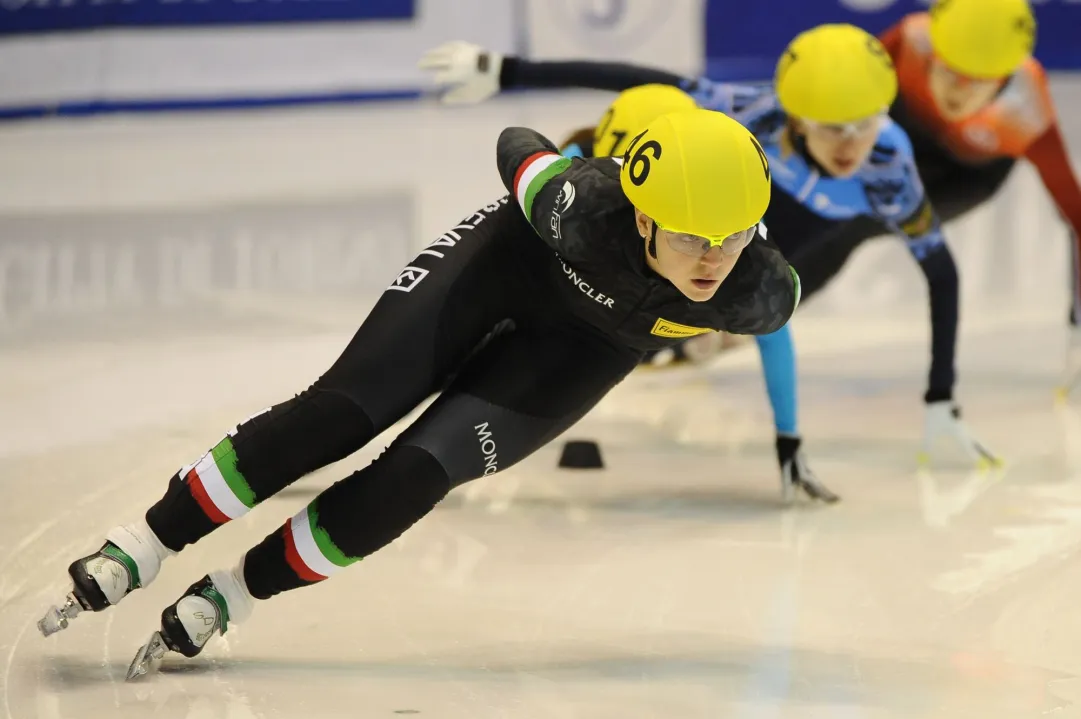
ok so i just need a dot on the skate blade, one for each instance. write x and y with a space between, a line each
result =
53 622
56 618
148 658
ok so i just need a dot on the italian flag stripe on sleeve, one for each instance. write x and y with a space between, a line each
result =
533 174
796 283
309 549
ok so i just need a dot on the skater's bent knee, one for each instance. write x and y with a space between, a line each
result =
417 468
374 506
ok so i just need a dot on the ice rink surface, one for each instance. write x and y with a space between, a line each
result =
163 278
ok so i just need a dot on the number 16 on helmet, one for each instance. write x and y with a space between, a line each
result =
697 172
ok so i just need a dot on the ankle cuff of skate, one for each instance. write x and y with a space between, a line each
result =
231 586
144 550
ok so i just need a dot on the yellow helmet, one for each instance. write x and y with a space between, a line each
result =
697 172
632 110
986 39
835 74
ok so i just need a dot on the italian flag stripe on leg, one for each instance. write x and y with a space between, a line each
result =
292 557
533 174
198 492
218 487
225 461
309 549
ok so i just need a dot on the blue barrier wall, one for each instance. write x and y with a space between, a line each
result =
744 39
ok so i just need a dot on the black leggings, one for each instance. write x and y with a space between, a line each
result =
468 317
954 189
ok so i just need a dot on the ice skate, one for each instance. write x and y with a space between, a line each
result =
129 559
187 625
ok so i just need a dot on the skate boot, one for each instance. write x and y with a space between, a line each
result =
129 559
206 608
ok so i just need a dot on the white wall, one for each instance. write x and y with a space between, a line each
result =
250 61
304 59
668 34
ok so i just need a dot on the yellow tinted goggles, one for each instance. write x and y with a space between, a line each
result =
697 246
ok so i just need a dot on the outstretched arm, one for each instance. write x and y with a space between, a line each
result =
614 76
1052 161
469 73
924 239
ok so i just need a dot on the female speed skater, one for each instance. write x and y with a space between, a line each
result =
525 314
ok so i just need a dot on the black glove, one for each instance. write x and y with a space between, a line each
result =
795 474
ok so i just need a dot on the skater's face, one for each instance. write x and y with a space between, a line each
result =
697 277
840 149
958 96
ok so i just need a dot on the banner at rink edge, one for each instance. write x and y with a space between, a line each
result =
744 40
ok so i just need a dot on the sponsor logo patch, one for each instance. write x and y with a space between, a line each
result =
664 328
408 278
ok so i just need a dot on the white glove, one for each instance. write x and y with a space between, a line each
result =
468 73
943 419
1071 375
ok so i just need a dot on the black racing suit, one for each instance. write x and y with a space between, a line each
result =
522 329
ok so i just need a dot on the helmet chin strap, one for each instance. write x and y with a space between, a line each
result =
652 247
